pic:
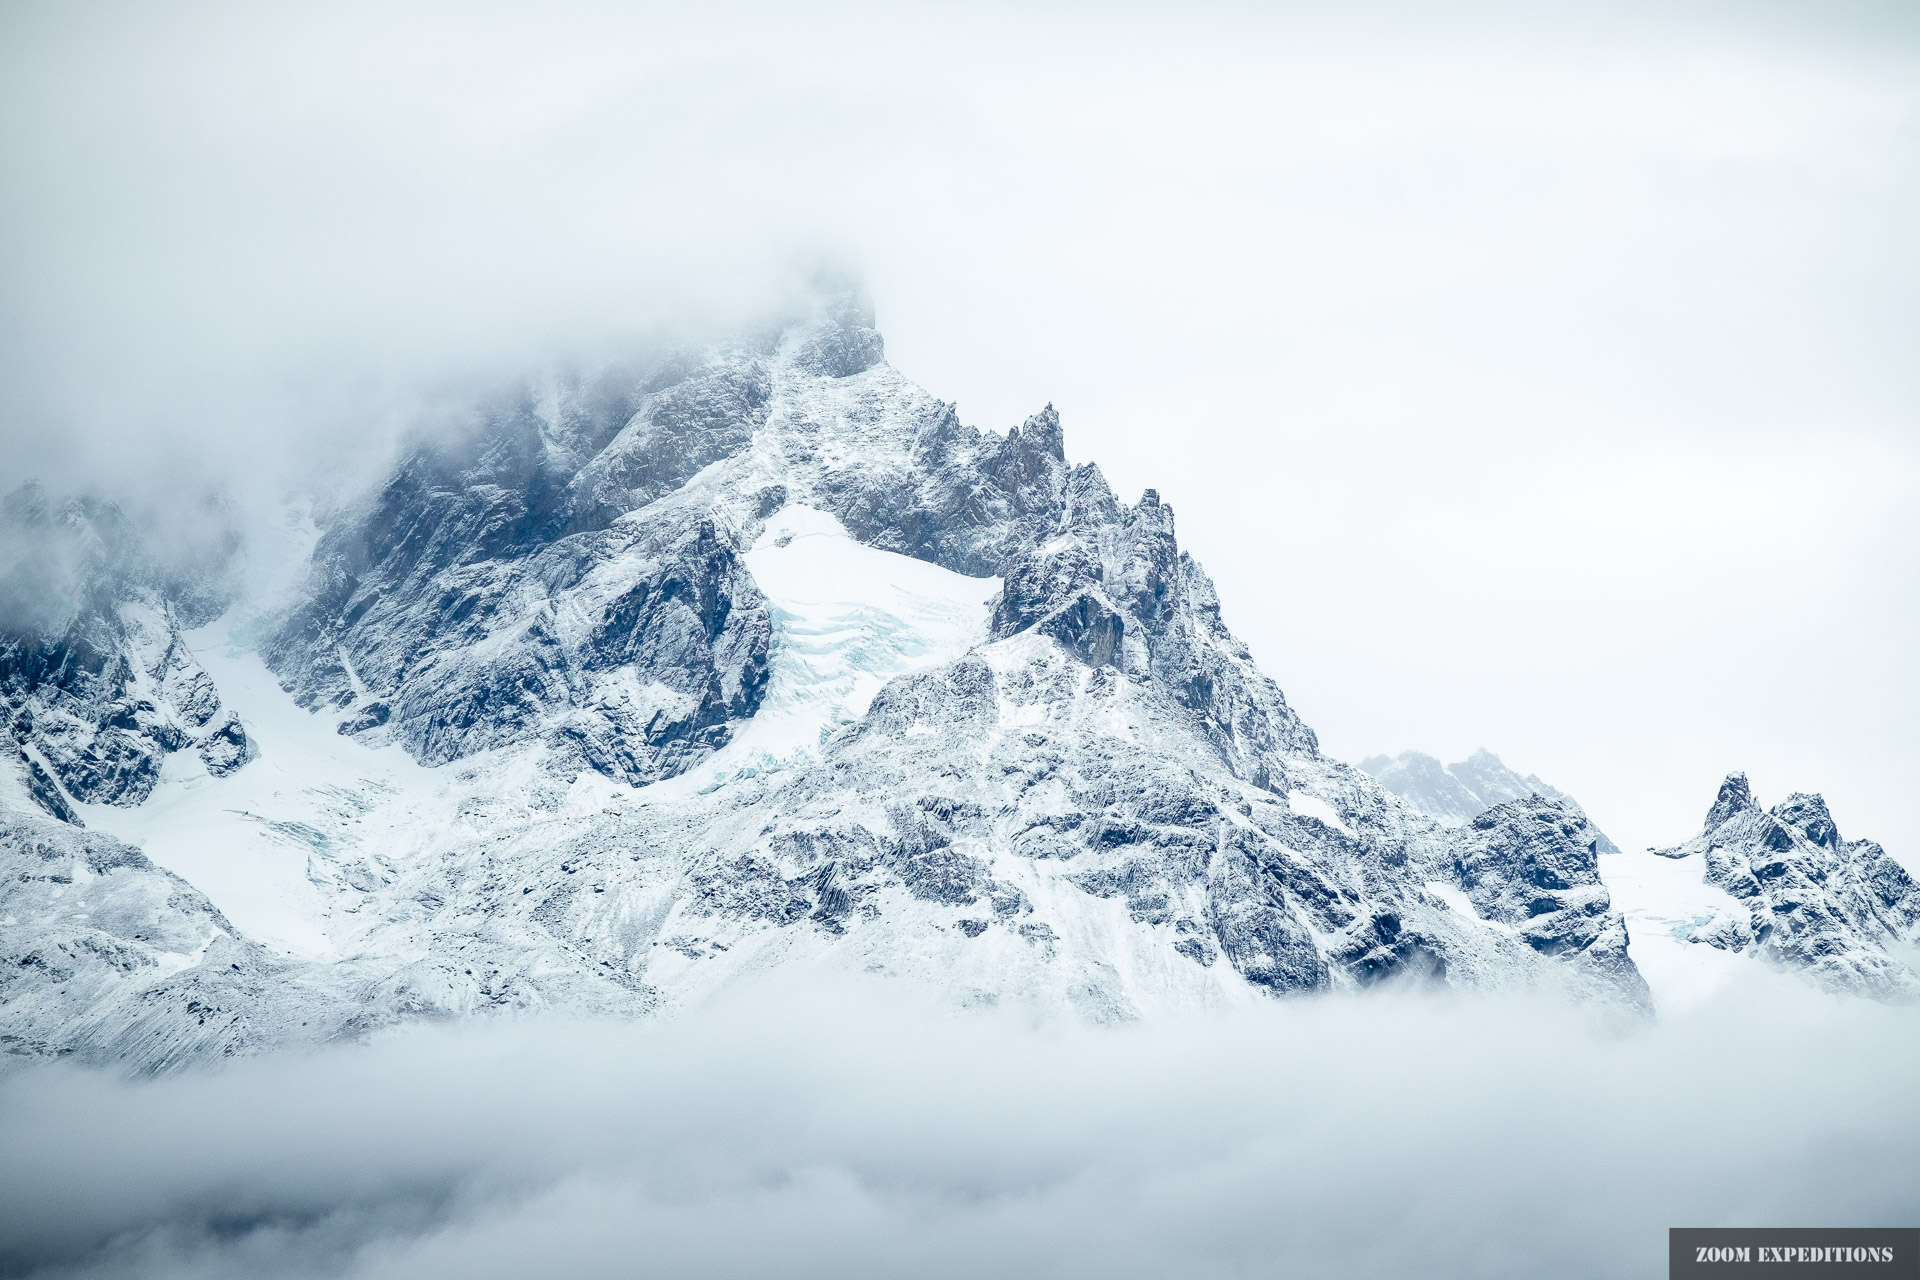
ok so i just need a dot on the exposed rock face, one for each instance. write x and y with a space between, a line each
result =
1101 804
1534 865
97 685
1459 792
227 748
520 581
1836 910
38 787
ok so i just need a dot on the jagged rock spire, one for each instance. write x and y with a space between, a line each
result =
1808 815
1735 797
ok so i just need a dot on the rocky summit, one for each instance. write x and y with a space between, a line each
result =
1800 897
645 680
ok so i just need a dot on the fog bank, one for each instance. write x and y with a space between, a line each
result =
838 1134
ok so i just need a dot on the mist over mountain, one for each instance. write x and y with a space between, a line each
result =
1455 793
757 656
533 739
643 682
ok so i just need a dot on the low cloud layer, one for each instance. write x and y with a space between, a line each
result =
793 1134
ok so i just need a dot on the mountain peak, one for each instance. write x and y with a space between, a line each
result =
757 653
840 339
1735 797
1042 432
1800 897
27 506
1807 814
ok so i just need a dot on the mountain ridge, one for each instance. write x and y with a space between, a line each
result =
1459 792
653 679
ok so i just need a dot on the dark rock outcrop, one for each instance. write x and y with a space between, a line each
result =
95 676
1534 866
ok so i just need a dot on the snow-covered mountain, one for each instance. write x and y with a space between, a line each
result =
653 679
1459 792
1784 886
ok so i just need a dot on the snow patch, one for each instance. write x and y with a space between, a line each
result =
1308 806
847 618
1663 901
249 841
1461 903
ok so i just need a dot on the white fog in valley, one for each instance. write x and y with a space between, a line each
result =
825 1130
1532 378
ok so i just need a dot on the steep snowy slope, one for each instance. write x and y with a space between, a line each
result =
1458 792
264 842
649 681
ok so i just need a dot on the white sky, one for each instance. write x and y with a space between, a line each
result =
1542 384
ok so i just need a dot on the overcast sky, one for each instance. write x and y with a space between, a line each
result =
1547 384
